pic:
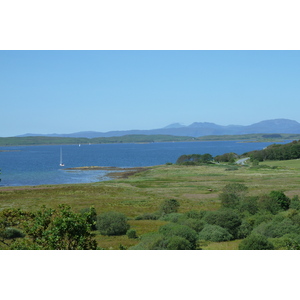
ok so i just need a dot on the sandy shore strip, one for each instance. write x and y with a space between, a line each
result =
119 172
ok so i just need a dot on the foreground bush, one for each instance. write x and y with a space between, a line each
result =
11 233
225 218
256 242
47 229
214 233
171 230
179 243
112 223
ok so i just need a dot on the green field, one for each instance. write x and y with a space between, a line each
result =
194 187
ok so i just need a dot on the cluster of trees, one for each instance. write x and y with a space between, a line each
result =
198 159
270 221
277 152
194 159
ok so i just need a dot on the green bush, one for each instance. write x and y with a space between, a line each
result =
232 194
225 218
267 203
214 233
112 223
256 242
278 227
91 215
173 217
194 214
281 199
245 229
172 229
248 204
195 224
179 243
131 233
169 206
149 216
11 233
260 217
295 202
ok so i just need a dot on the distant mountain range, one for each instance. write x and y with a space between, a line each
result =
196 129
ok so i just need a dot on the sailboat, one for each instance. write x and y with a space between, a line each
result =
61 162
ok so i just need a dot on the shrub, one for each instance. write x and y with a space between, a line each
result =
112 223
194 214
131 233
225 218
169 206
214 233
172 229
281 199
232 194
256 242
249 204
245 229
149 216
278 227
259 218
295 202
179 243
11 233
91 215
195 224
265 202
173 217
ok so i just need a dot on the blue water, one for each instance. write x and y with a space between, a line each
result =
37 165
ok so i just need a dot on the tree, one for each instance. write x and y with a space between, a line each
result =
232 194
281 199
169 206
91 215
51 229
112 223
215 233
256 242
225 218
171 229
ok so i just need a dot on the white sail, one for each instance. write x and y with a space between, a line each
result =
61 162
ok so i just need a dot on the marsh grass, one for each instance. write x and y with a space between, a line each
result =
195 187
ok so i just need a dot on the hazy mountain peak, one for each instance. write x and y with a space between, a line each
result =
175 125
198 129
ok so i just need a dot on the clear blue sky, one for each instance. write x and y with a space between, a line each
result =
71 91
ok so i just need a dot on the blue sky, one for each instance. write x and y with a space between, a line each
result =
70 91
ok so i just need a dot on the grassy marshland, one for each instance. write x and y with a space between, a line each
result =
195 187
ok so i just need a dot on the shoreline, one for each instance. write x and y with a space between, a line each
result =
120 173
116 172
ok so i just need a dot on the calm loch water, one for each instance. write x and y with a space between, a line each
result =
37 165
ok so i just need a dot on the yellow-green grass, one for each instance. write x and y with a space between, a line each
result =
290 164
228 245
195 187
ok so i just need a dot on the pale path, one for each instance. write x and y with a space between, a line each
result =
242 161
